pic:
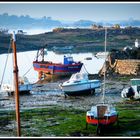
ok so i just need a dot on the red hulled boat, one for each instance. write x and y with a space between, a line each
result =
47 67
101 115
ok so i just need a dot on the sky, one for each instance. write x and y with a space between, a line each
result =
71 11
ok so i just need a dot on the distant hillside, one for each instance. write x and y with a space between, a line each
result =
83 23
82 40
27 22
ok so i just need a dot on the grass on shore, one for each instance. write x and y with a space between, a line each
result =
57 121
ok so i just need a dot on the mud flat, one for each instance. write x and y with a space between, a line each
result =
47 113
48 94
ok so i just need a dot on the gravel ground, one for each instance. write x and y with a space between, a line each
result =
44 95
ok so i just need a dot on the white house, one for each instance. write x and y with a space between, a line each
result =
137 43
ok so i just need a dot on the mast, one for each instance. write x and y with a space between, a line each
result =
104 65
15 71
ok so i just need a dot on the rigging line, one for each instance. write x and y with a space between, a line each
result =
27 71
29 68
104 66
105 62
5 63
85 69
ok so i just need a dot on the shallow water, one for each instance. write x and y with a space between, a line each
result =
25 66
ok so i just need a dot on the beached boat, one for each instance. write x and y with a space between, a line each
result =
133 91
102 114
68 67
79 84
24 87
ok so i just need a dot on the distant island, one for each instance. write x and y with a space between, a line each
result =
64 40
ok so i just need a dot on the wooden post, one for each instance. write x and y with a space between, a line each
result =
15 71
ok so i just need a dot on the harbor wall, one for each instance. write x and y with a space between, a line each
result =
123 67
127 67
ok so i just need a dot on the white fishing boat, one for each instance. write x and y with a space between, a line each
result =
102 114
79 84
24 86
133 91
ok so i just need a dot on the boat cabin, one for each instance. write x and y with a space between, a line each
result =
68 60
135 82
79 76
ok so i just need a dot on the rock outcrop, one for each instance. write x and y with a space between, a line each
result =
121 66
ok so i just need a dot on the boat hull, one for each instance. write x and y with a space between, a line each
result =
106 121
56 68
23 89
23 92
80 93
102 115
